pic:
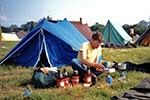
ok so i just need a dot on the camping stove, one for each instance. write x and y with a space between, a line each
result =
122 66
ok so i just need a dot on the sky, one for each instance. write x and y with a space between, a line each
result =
91 11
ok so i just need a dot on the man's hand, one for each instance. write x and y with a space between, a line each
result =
99 67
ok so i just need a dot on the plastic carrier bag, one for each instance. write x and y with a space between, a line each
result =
43 80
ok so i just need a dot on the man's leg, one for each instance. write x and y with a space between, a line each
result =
76 65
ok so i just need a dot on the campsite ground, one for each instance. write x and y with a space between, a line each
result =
16 80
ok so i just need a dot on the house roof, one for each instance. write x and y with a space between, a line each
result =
75 22
23 32
84 29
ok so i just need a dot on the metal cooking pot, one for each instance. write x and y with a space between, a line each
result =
122 66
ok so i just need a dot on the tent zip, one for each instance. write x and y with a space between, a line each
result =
45 47
39 47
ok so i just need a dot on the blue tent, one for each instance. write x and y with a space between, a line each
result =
48 42
114 33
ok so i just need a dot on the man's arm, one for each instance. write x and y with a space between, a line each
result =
83 59
86 62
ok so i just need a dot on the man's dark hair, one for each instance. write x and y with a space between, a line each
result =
98 36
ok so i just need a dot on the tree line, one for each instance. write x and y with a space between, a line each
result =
14 28
138 28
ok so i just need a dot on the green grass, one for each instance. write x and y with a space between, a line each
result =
16 80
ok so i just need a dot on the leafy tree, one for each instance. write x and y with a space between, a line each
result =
28 26
143 23
6 29
138 29
11 28
97 27
127 28
14 28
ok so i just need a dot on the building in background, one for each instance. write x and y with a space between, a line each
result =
82 28
21 34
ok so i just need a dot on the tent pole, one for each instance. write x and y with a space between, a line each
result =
108 33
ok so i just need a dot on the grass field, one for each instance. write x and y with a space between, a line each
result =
16 80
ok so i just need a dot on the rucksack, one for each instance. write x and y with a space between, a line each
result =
43 80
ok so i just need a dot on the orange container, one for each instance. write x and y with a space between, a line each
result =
88 79
60 83
66 80
88 76
75 80
60 80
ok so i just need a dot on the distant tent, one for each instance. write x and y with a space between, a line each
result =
114 33
144 39
48 42
9 37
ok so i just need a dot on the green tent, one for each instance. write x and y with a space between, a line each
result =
114 33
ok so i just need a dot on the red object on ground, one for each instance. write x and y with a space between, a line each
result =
75 78
88 76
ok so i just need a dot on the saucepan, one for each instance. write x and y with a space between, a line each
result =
122 66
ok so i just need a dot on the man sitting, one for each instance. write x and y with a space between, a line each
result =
88 56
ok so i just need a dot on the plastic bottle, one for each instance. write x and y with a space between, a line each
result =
66 78
109 79
27 93
60 80
75 78
88 76
123 74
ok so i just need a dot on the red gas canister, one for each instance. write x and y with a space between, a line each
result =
75 78
88 76
66 78
60 80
